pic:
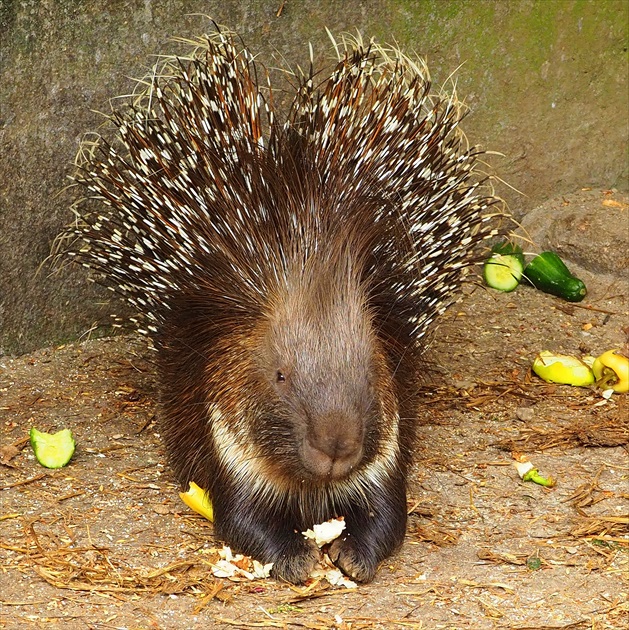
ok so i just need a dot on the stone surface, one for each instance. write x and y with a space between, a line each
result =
589 228
546 83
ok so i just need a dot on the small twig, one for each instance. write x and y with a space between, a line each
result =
254 624
218 586
23 482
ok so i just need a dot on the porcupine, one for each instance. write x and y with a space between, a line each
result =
287 270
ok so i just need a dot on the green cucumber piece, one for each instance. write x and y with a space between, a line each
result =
507 248
52 450
548 273
503 269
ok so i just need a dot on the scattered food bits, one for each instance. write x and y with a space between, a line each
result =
238 568
326 570
323 534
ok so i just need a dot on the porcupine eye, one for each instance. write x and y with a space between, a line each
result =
280 383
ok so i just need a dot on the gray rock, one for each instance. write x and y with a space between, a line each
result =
589 228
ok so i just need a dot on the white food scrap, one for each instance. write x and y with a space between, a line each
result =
238 567
324 533
523 468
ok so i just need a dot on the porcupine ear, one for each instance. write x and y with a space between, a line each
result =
378 133
179 176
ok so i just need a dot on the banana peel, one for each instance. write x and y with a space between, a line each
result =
198 500
562 369
611 371
528 472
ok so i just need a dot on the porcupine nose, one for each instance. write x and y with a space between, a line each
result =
333 446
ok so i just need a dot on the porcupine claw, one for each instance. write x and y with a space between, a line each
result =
359 565
297 561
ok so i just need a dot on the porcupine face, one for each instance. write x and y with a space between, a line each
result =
320 365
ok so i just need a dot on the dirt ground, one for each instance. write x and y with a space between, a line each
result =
106 542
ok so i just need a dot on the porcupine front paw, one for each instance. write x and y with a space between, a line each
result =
355 560
296 561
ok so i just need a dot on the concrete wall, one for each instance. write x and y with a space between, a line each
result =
546 81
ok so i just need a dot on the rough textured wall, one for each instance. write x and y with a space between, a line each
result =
546 82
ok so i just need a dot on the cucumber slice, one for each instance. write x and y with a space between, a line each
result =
503 269
548 273
53 450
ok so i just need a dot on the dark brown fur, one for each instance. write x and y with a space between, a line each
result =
339 377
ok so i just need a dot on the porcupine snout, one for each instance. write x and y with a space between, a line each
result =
333 445
322 352
333 418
